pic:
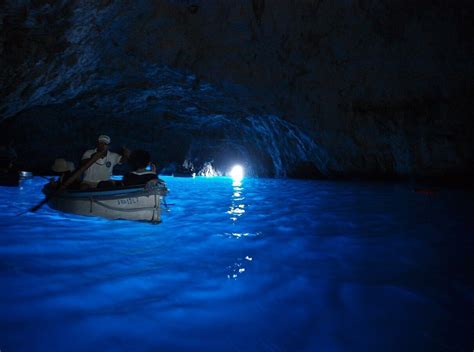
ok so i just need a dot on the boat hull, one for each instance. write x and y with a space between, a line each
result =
127 204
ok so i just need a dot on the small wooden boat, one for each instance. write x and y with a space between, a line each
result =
127 203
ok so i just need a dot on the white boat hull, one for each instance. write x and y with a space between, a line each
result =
128 204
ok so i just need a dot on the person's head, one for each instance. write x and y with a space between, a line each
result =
61 165
103 142
139 159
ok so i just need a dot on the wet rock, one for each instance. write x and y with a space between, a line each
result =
367 87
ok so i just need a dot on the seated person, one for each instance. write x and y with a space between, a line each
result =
140 160
101 170
64 169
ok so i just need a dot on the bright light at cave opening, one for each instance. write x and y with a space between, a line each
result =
237 173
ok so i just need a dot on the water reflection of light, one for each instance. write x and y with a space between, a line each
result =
237 208
242 234
235 270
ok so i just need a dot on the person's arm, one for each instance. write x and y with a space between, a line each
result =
125 155
87 156
157 179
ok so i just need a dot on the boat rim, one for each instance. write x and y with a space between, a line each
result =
117 192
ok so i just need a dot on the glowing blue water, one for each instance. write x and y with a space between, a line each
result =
268 265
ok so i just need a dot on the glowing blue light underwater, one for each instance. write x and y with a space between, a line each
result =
238 255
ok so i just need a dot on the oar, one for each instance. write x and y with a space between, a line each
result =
76 174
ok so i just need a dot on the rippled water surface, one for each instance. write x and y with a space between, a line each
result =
265 265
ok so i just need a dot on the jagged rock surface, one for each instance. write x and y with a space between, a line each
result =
378 87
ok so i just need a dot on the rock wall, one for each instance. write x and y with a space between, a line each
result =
370 88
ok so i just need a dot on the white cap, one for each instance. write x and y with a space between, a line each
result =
104 138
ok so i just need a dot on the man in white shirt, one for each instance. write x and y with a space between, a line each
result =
102 169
